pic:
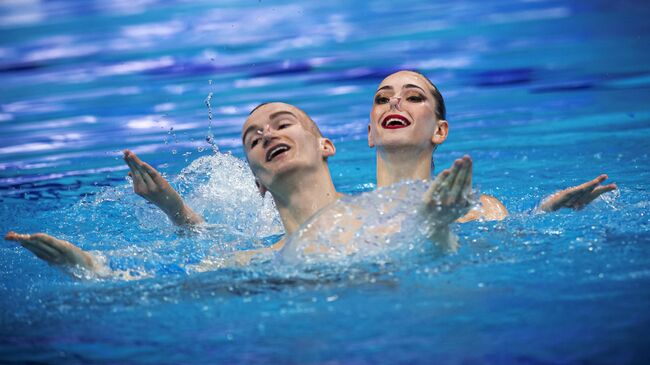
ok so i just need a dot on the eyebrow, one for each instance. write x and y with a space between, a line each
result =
388 87
249 129
271 117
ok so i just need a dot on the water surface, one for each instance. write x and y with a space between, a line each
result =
542 94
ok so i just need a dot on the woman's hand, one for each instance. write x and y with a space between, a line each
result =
449 196
576 197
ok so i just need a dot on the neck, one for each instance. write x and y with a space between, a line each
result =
300 196
404 163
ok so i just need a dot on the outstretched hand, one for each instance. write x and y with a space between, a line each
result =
449 196
151 185
576 197
53 250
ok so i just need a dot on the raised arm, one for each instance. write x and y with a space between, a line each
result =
576 197
57 252
149 184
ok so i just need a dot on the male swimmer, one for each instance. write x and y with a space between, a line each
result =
408 122
288 157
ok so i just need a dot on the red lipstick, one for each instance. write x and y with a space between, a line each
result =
395 121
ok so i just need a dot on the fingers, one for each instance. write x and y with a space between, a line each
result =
139 172
151 176
579 196
143 166
459 182
604 189
434 189
450 185
36 245
576 197
463 182
13 236
134 173
447 184
590 191
461 185
467 187
437 183
588 198
60 246
41 249
590 185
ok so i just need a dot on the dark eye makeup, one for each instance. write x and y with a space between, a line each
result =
379 99
415 98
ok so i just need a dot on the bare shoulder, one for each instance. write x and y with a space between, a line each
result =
493 209
489 209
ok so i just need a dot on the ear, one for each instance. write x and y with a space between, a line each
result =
371 141
261 188
440 135
327 147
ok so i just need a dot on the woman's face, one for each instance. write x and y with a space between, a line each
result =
403 114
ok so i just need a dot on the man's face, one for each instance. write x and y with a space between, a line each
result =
278 141
403 112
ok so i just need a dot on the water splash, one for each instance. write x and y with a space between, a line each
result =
210 136
137 238
222 188
381 225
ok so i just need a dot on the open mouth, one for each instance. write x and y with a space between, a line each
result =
395 121
276 151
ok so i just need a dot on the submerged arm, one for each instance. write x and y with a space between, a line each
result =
149 184
237 258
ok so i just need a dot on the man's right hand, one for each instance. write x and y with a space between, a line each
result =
151 185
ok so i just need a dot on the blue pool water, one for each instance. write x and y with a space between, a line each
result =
543 94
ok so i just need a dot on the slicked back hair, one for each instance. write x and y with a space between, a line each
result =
441 109
312 127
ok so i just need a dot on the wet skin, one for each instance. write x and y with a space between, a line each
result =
288 158
405 130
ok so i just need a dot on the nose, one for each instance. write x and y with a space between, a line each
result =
267 133
396 102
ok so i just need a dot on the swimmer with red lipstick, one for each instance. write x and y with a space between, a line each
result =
288 157
408 123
